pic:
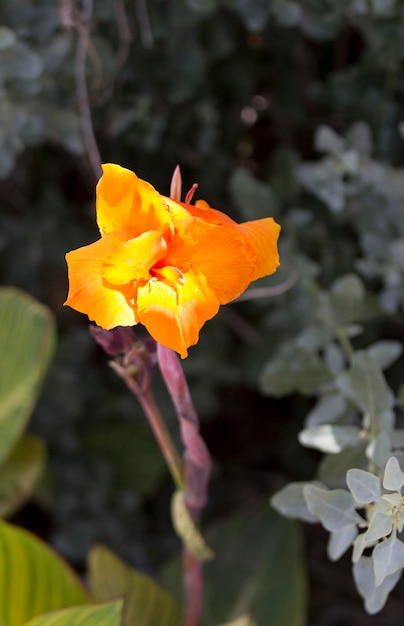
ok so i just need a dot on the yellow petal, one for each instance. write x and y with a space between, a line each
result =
174 313
133 259
125 202
90 294
222 255
262 235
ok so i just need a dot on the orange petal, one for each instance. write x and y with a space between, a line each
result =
262 235
125 202
133 259
204 211
89 293
222 255
174 313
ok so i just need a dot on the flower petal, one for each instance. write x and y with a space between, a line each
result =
125 202
90 294
174 313
222 255
262 235
133 259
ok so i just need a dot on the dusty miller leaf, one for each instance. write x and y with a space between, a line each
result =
329 438
340 541
327 410
393 478
380 526
364 486
388 558
364 576
366 386
385 352
291 502
335 509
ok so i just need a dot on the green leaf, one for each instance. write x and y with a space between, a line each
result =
335 508
364 486
366 386
347 298
133 452
270 585
29 569
187 529
333 467
253 198
294 369
27 337
93 615
20 473
146 603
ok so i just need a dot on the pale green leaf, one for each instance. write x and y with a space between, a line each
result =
359 546
380 526
364 486
146 603
29 569
291 502
27 335
379 449
340 541
366 386
328 438
328 409
335 509
388 558
385 352
364 576
20 472
393 478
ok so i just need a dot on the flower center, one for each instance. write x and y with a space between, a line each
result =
168 272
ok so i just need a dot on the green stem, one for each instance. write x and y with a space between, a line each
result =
163 437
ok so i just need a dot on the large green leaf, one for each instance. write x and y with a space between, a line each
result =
258 573
146 603
27 334
20 473
108 614
33 578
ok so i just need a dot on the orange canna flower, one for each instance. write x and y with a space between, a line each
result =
166 264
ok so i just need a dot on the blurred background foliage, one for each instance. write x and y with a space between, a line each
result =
288 108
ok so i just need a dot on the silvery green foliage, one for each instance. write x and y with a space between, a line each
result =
367 516
34 81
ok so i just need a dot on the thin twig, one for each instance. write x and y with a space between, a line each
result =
83 23
124 32
269 292
142 15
